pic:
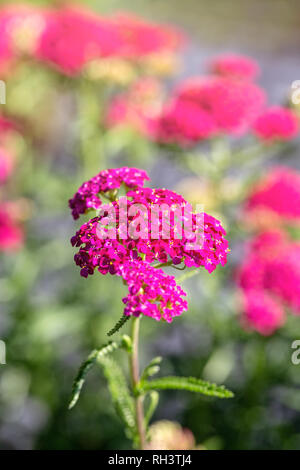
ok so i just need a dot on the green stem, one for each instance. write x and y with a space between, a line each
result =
162 265
134 371
188 275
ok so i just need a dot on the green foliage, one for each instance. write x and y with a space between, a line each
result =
126 343
120 395
122 400
153 402
186 383
152 368
118 325
86 366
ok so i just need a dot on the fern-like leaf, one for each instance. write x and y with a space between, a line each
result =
86 366
121 397
186 383
152 368
118 325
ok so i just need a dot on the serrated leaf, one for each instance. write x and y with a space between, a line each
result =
186 383
86 366
118 325
119 391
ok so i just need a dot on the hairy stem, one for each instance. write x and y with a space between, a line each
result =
134 370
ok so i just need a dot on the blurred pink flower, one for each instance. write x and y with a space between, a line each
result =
276 123
235 66
6 164
5 51
73 36
11 234
20 28
278 193
261 312
183 122
140 37
270 280
232 104
7 125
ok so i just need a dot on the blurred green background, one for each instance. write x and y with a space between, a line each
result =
50 318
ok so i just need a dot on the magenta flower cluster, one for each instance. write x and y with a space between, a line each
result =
151 292
131 257
87 196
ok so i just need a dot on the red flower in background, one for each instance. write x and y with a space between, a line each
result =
270 280
11 234
276 197
232 104
20 30
207 106
140 37
7 163
262 312
235 66
74 36
183 122
5 51
7 125
276 123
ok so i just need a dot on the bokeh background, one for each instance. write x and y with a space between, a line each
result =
50 317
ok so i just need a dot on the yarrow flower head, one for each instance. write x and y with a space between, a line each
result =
145 226
151 292
270 275
276 197
235 66
276 123
107 181
163 243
